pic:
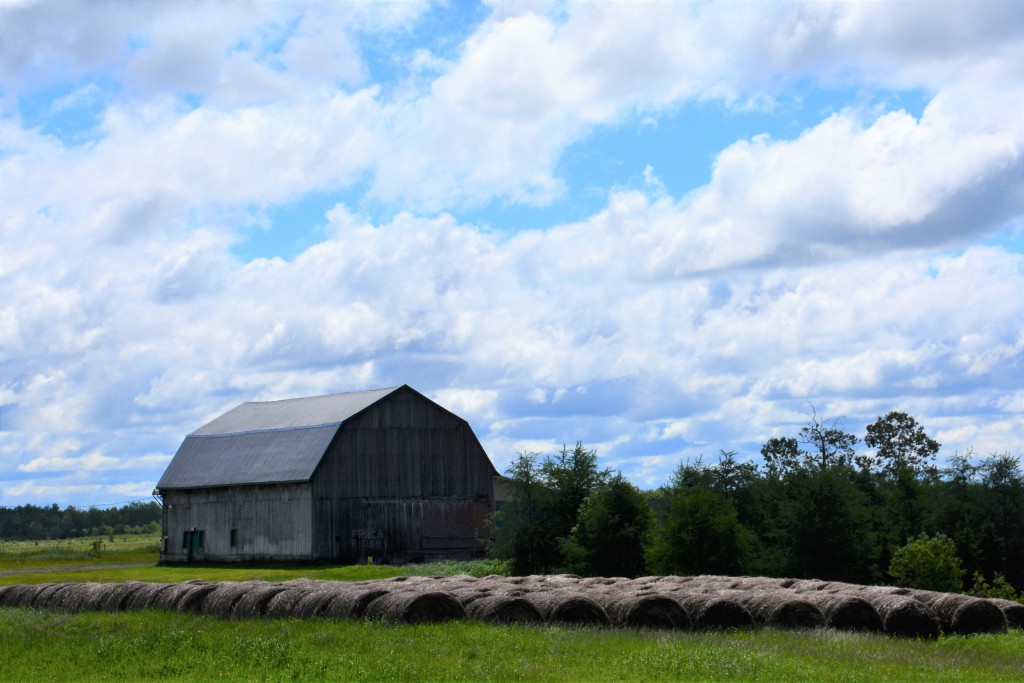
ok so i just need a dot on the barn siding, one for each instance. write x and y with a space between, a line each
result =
403 479
270 521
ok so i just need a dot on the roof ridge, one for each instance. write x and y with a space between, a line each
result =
193 435
337 393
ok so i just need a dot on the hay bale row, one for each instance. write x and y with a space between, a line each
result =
679 603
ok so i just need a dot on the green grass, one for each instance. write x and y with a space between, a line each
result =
58 558
169 646
123 549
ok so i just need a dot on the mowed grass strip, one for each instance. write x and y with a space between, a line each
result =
169 646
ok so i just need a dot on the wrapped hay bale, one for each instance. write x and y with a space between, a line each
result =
709 612
847 612
781 609
253 603
145 596
1013 611
568 607
965 615
118 594
903 616
351 602
648 611
414 607
503 609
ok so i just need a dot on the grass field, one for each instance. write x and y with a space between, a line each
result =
54 561
123 549
168 646
151 645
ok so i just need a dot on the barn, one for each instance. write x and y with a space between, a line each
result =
385 474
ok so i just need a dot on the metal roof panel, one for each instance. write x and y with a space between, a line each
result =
263 457
312 411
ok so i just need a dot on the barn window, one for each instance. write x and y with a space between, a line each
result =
184 540
234 537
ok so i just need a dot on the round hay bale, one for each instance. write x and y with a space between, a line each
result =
903 616
311 603
782 609
253 603
1013 611
503 609
575 608
414 607
283 604
193 595
846 612
48 596
648 611
406 582
118 594
222 599
84 597
20 595
964 615
145 596
712 613
168 599
351 603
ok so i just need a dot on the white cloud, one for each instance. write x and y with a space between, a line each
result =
841 265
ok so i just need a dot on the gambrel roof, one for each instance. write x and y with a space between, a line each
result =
266 442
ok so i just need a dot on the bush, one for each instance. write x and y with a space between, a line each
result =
929 564
999 588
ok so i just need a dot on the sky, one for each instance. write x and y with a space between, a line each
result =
660 229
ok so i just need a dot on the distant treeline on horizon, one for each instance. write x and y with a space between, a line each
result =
36 523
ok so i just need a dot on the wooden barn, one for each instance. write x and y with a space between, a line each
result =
387 474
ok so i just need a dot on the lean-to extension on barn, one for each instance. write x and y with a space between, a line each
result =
385 473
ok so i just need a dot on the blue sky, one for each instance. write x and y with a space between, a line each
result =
661 229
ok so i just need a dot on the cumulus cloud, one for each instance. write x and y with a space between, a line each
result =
844 265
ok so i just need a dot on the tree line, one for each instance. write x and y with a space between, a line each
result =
817 508
33 523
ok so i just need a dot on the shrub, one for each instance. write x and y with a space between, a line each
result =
928 563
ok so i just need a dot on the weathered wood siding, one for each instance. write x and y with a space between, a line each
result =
404 479
272 520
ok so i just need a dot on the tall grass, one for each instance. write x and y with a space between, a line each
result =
170 646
